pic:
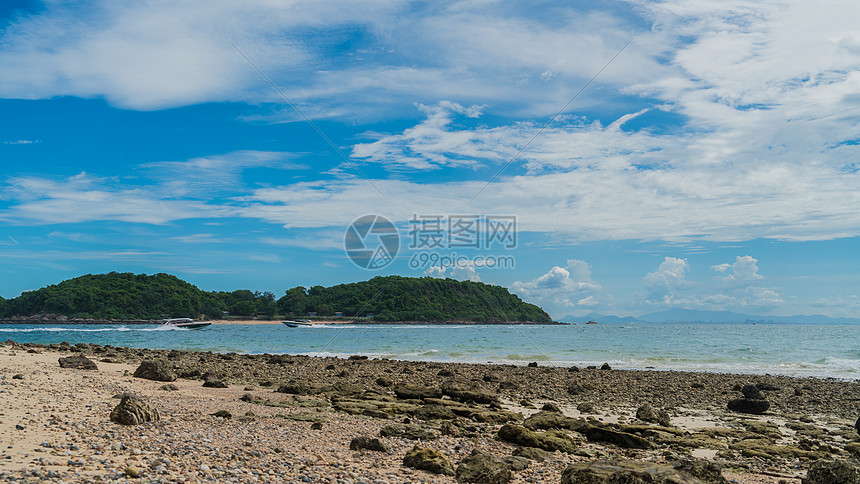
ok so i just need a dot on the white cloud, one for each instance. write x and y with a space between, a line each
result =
84 198
561 287
744 269
22 142
663 284
463 271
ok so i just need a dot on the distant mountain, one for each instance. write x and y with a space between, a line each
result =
599 318
697 316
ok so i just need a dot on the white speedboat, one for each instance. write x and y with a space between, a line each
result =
295 323
186 323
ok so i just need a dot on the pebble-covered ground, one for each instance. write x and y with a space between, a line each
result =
291 419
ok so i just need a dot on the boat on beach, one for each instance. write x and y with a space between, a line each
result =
295 323
185 323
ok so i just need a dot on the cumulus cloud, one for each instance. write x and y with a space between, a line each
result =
561 287
663 284
461 272
744 269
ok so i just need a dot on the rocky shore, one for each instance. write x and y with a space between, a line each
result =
173 416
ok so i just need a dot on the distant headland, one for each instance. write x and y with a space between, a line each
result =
136 298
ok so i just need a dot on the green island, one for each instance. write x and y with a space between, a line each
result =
128 297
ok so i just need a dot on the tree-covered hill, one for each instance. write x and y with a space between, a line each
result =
395 298
133 296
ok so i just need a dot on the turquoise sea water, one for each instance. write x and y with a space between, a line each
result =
787 349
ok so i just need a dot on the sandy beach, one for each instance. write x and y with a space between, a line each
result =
292 419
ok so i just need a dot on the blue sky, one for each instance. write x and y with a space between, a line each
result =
711 165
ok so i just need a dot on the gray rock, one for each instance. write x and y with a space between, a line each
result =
131 411
157 370
78 363
647 413
215 384
517 463
483 468
629 472
417 392
841 471
428 460
367 443
170 387
223 414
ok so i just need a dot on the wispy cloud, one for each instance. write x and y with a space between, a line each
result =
23 142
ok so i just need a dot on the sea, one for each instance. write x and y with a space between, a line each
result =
809 350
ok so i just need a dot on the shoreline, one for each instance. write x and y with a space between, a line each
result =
808 418
278 321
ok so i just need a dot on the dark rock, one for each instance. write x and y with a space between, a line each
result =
647 413
223 414
573 369
157 370
417 392
749 405
533 364
132 411
357 357
621 439
78 363
428 460
330 367
629 472
170 387
533 453
549 441
605 366
367 443
406 431
857 425
17 376
575 388
750 391
215 384
491 377
585 407
550 407
190 374
384 381
508 385
445 372
316 426
370 412
842 471
483 468
19 427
